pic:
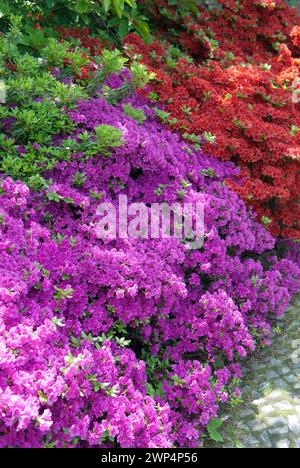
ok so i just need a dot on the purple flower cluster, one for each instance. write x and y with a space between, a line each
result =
128 342
56 386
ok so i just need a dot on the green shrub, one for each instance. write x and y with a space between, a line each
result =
34 103
111 19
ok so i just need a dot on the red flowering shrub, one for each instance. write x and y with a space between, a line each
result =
242 96
250 28
93 44
295 35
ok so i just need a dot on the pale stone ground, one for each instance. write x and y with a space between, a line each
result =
270 414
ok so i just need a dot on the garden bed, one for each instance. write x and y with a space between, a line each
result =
126 339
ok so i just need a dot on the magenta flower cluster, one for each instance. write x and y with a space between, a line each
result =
128 342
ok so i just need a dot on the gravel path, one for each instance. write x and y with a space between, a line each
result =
270 414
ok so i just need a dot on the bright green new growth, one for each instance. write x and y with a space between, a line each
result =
35 101
101 142
136 114
140 75
38 105
108 137
112 61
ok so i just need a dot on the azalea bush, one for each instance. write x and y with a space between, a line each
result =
233 78
133 342
38 93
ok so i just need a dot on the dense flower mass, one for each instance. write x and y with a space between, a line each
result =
252 28
112 321
238 86
137 342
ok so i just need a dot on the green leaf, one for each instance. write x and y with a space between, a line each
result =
239 445
83 6
193 8
123 28
4 9
212 429
136 114
113 22
150 390
119 7
106 5
142 27
131 3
